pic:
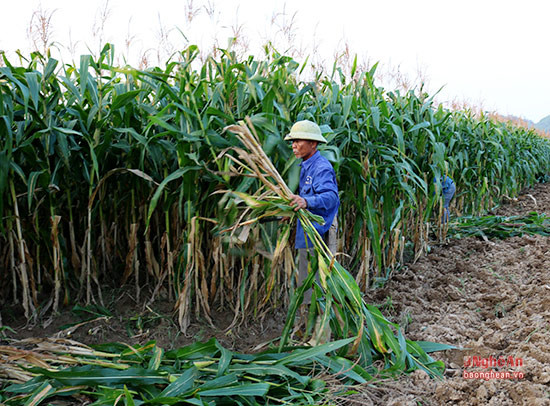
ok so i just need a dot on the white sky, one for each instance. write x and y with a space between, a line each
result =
492 53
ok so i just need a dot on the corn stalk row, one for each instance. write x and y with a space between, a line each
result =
113 176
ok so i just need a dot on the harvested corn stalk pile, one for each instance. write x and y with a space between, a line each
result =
198 374
500 226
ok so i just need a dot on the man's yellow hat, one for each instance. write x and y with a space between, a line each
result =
305 130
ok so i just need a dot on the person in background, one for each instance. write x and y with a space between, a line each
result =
448 189
317 192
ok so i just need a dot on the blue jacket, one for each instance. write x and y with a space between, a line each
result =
448 189
318 187
446 184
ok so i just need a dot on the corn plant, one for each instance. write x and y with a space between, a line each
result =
111 175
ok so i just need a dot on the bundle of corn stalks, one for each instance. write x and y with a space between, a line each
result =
337 303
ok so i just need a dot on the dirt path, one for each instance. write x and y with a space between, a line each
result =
490 298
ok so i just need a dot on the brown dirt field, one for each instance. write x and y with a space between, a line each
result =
489 298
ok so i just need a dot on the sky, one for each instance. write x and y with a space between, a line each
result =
492 54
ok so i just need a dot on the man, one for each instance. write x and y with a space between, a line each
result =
317 192
448 189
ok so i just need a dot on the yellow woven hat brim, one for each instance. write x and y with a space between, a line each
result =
305 136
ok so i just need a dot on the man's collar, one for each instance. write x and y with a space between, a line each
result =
307 163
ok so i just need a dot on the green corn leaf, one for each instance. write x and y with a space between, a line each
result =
225 359
183 384
220 382
175 401
156 196
31 186
34 88
24 89
84 64
128 398
266 370
124 99
72 88
92 375
251 389
39 394
26 387
50 68
156 359
429 346
194 351
299 357
344 367
19 171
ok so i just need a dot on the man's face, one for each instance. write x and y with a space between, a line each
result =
304 148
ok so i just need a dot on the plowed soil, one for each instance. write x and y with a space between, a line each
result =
490 299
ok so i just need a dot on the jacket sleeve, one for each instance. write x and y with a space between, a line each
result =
325 195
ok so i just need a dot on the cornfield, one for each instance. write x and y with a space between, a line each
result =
114 175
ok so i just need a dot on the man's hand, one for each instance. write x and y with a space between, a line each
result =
298 202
